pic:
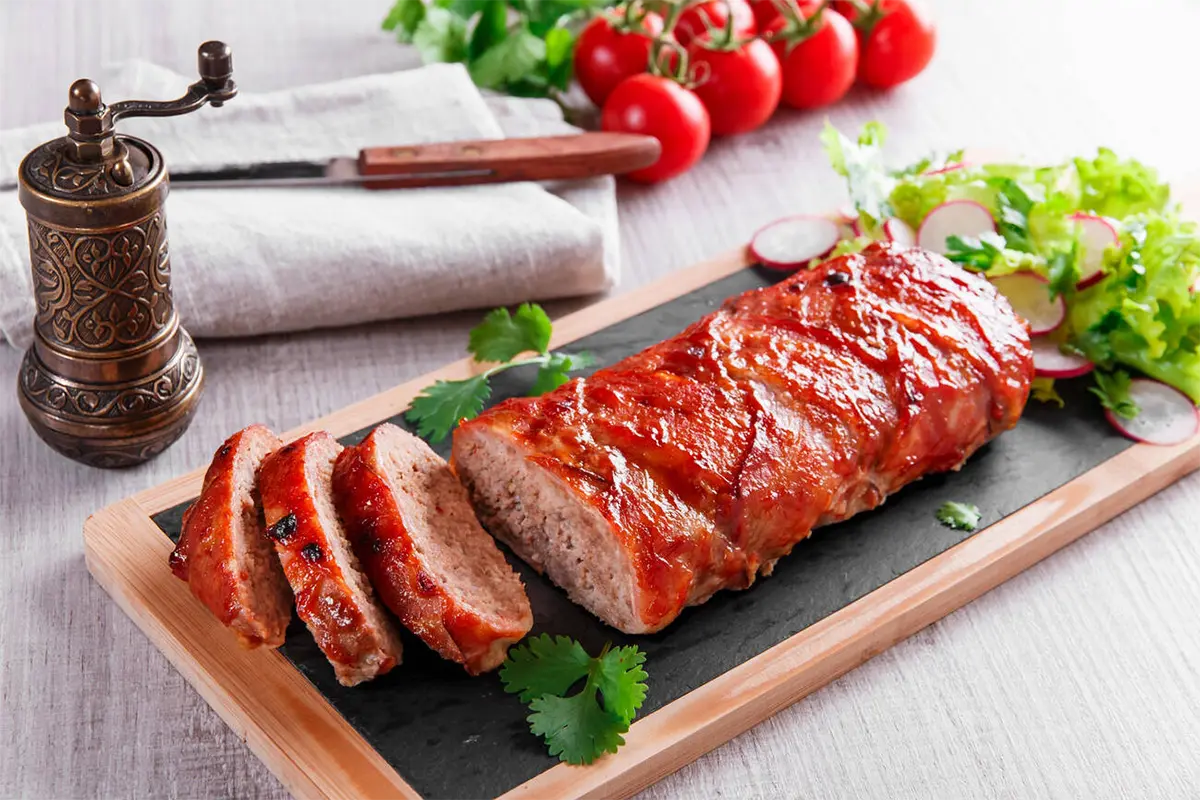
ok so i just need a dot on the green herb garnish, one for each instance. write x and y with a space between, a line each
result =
580 727
500 338
1113 390
959 516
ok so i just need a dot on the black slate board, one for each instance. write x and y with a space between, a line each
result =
452 736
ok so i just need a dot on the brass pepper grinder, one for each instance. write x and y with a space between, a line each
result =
111 379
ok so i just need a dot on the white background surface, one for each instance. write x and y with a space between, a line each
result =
1080 678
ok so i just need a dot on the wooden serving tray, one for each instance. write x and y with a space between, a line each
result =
847 594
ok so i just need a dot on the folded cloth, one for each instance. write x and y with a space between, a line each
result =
254 261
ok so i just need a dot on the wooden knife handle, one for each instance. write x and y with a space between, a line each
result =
584 155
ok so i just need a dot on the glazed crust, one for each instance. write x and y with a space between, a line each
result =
338 609
476 638
711 454
248 595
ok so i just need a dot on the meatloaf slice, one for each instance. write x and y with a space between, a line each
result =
333 596
694 465
223 553
410 522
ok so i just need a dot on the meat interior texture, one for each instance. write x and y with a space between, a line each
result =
695 464
223 552
411 524
333 596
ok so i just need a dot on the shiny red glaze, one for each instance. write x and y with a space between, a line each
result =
605 55
323 597
820 69
713 453
740 87
716 13
661 108
205 555
386 551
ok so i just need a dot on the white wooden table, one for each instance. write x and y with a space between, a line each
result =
1080 678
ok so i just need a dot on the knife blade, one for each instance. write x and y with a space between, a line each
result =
466 163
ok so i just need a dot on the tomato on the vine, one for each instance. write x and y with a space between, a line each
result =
767 11
896 39
699 18
819 55
739 82
659 107
613 47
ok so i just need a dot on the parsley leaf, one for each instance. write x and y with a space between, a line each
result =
441 36
1043 390
1013 205
581 727
1113 390
509 60
440 407
503 336
1062 269
861 164
553 373
403 18
978 253
959 516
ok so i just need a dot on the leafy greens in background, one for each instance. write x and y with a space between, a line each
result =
521 47
1144 313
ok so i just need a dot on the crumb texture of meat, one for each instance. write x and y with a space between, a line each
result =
333 595
223 552
411 524
695 464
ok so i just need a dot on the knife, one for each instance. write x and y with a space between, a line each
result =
584 155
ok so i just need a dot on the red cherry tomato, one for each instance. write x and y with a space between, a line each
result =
739 87
767 11
717 12
818 67
607 53
896 41
661 108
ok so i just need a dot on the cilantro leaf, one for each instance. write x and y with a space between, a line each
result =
959 516
622 681
560 51
1013 205
544 666
1113 390
978 253
491 27
581 727
1062 268
576 729
508 60
441 36
1044 391
553 373
501 336
441 406
403 18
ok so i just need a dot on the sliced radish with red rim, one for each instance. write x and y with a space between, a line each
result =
1165 415
954 218
1096 235
953 166
1051 362
1029 295
898 231
791 242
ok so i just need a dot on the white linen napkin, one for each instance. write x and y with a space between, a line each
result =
254 261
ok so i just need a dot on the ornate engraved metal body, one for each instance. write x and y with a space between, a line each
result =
111 379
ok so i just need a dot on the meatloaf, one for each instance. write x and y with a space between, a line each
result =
695 464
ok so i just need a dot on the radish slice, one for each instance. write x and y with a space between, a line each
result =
951 167
898 231
955 218
1030 298
1097 235
1051 362
791 242
1165 416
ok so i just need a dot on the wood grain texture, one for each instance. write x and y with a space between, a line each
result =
296 732
1078 678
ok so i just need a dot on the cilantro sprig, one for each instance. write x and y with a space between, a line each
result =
577 728
499 339
522 47
959 516
1113 390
